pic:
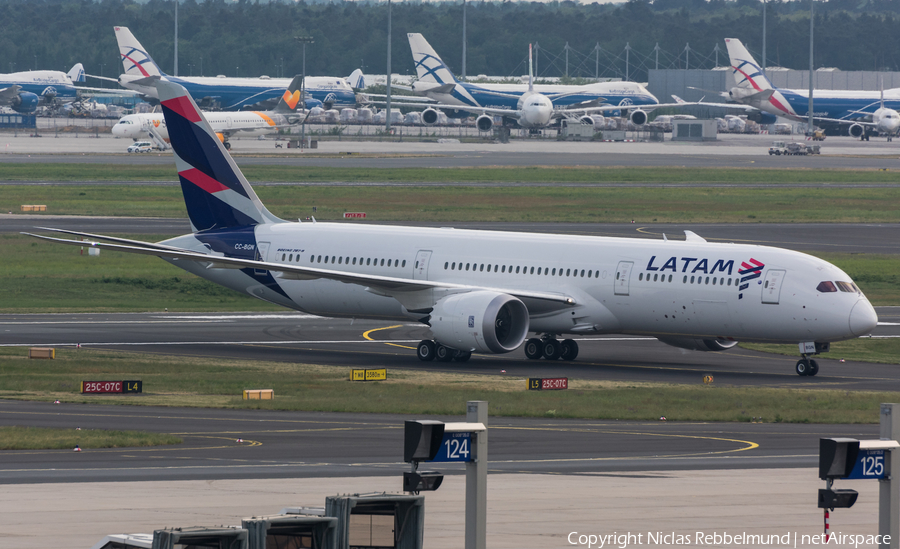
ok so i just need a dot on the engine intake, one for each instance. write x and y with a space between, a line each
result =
484 123
638 117
429 116
483 321
857 130
695 344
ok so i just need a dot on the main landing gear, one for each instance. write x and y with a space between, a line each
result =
551 348
807 367
432 350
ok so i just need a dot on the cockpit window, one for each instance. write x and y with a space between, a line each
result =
847 287
826 286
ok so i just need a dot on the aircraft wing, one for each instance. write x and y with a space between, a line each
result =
7 94
566 111
382 285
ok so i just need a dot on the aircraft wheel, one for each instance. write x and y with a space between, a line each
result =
551 349
813 367
227 146
462 356
533 349
803 367
568 349
425 350
443 354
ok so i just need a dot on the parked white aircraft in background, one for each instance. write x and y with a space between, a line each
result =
485 291
225 124
531 106
228 93
861 112
27 90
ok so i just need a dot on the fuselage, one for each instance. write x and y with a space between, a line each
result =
48 85
242 93
625 94
620 285
136 126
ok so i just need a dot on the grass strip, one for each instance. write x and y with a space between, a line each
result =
490 204
202 382
865 349
40 438
511 174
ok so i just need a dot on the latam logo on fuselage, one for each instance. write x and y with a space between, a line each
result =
749 270
701 265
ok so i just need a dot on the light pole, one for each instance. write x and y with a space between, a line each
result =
303 40
810 107
764 39
464 43
387 119
176 37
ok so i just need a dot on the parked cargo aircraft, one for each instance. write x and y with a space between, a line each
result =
224 124
485 291
861 112
529 105
230 94
26 91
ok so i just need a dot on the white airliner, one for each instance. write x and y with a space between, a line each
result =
485 291
225 124
531 106
229 94
861 112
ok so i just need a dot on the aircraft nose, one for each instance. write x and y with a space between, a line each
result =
863 318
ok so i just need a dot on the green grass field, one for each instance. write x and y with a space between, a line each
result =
37 438
181 381
468 203
525 174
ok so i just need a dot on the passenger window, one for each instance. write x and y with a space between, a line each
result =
489 267
539 270
655 277
453 267
291 257
685 280
503 270
714 281
319 260
312 259
568 271
554 274
368 261
692 279
340 261
729 282
582 273
382 262
826 286
389 262
403 264
532 271
517 270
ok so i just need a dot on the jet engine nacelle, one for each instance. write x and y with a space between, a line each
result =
857 130
698 344
761 117
484 123
25 102
482 321
587 120
638 117
430 117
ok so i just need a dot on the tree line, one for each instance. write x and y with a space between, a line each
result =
252 38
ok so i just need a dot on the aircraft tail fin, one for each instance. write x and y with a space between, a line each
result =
747 73
357 80
135 59
216 193
429 67
292 96
76 73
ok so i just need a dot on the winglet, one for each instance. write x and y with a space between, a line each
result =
215 191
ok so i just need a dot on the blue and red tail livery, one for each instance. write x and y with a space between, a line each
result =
216 193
